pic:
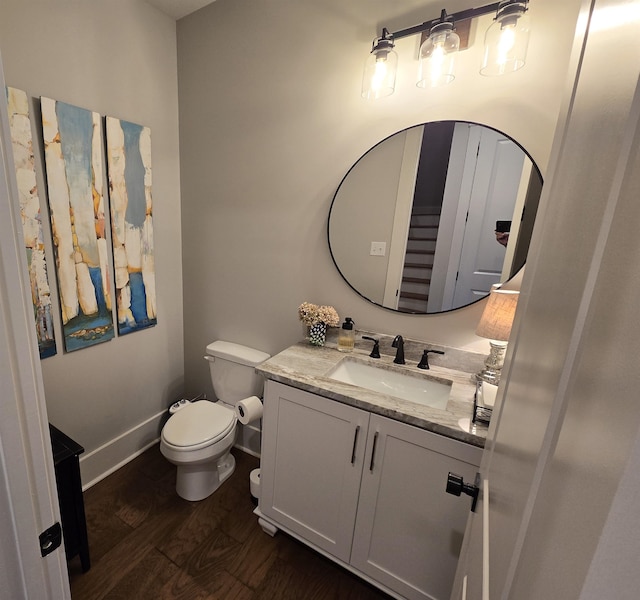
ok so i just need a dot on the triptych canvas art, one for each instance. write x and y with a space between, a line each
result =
75 175
129 164
22 144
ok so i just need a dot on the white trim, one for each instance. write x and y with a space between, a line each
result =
247 451
486 538
516 220
28 498
249 438
402 216
114 454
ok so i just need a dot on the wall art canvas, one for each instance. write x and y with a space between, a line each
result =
22 144
73 147
129 167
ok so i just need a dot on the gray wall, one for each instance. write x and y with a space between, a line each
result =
118 58
365 194
271 119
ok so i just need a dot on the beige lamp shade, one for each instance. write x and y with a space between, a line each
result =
497 318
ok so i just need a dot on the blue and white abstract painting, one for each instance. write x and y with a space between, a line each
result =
73 149
129 166
22 144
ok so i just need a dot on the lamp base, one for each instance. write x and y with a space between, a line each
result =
493 363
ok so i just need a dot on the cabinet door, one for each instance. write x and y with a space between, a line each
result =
409 530
311 464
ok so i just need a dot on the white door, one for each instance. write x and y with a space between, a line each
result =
496 181
483 183
566 427
28 500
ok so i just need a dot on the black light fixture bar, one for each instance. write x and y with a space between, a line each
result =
381 65
470 13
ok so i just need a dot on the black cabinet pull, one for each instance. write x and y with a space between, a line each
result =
373 450
355 443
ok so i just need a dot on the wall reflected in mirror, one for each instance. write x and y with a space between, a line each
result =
413 226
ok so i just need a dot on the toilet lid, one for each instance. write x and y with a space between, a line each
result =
198 423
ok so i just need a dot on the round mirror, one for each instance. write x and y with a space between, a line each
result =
434 215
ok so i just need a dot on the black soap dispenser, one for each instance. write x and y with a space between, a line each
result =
347 336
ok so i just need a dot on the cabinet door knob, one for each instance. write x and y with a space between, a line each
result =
457 486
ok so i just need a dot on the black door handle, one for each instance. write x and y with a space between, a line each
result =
457 486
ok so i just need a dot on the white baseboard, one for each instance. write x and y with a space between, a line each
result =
108 458
247 450
248 438
97 464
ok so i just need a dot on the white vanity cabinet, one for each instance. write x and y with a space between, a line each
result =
309 484
408 530
364 489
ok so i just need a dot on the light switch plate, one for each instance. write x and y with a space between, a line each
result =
378 248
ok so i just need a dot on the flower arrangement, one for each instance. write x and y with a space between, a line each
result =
312 314
318 318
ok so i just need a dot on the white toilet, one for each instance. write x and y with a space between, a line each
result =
198 438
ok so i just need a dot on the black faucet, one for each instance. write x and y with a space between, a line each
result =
375 353
424 361
398 343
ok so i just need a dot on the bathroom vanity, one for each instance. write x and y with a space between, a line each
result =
360 476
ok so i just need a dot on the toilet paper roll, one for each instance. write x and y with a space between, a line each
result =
249 409
254 483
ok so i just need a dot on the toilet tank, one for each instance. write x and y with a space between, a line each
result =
233 373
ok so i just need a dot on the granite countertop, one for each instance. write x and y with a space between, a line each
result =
305 367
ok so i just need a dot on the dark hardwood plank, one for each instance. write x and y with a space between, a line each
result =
212 557
107 573
177 542
146 579
104 531
147 543
256 557
227 587
183 587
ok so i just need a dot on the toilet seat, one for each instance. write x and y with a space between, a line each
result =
198 425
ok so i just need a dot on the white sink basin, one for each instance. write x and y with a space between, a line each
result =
425 390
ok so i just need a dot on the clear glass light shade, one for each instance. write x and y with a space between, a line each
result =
506 42
379 78
437 57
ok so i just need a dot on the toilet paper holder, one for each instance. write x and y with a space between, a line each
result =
249 410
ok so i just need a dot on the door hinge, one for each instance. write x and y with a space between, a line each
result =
50 539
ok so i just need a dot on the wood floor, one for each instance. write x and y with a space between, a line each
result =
147 543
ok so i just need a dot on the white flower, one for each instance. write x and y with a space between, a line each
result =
311 314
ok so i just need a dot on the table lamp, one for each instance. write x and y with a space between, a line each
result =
495 325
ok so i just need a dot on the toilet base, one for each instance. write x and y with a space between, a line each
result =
197 481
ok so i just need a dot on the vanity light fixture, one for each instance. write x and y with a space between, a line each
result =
506 44
506 41
438 54
495 325
379 78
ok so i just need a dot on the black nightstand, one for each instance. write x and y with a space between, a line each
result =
74 525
